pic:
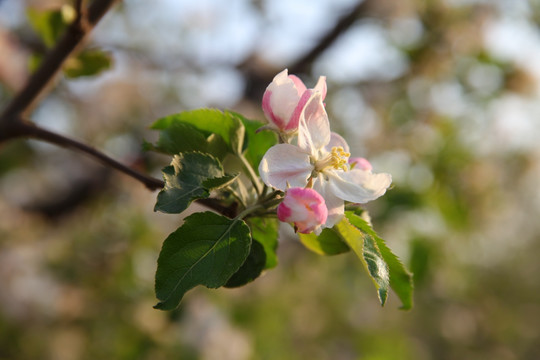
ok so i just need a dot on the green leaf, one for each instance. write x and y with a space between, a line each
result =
329 242
366 249
87 63
256 144
49 24
401 279
265 231
180 137
216 146
187 179
210 121
206 250
219 182
252 267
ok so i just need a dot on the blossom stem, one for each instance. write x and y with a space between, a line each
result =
237 196
252 175
249 211
265 199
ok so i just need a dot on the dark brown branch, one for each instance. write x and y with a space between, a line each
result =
30 130
52 63
13 126
21 128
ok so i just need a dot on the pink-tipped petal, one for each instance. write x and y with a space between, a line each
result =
303 207
280 100
267 108
295 117
300 87
360 163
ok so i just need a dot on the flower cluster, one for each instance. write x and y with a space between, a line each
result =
311 159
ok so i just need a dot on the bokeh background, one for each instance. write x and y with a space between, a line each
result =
442 94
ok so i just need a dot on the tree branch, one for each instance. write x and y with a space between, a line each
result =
73 37
12 124
32 131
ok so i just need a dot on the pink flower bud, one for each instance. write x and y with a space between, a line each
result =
360 163
285 98
305 208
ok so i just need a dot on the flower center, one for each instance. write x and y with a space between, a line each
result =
336 159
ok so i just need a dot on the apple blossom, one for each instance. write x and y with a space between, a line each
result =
284 100
320 160
305 208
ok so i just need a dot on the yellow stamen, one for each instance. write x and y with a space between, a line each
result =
337 159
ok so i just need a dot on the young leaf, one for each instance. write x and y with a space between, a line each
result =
210 121
252 267
48 24
188 178
265 231
87 63
206 250
401 279
329 242
366 249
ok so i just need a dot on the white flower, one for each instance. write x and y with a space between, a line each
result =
320 161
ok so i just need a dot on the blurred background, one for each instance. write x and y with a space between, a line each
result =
442 94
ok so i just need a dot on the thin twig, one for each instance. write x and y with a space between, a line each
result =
32 131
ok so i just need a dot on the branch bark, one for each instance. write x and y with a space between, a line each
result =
73 37
12 123
32 131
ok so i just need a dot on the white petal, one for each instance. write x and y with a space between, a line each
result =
335 205
314 128
285 163
337 141
358 186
